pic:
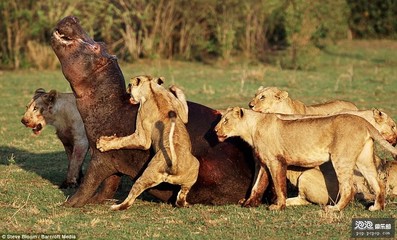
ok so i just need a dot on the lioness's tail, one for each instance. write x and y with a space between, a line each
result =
173 167
378 137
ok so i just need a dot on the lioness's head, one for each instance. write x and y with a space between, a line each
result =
228 125
38 109
386 126
140 86
267 99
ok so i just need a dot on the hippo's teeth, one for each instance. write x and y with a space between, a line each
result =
62 38
59 34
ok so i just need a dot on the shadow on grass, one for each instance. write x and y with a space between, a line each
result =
53 167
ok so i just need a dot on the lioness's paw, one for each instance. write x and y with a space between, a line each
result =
276 207
100 145
242 201
331 209
250 202
182 204
103 143
374 208
115 207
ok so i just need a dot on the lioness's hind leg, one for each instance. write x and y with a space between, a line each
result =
181 198
366 164
186 180
139 186
296 201
151 177
344 172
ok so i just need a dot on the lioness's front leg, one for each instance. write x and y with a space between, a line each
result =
140 139
278 171
260 185
134 141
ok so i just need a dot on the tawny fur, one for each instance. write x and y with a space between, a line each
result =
274 100
346 140
319 185
59 110
161 116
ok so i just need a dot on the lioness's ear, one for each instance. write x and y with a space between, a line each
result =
135 81
229 109
261 88
51 97
377 115
238 112
38 93
160 80
281 95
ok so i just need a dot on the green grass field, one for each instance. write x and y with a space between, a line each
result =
32 167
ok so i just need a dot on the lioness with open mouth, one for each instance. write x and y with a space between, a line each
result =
346 140
160 126
60 110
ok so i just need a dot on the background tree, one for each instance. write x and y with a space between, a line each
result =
195 29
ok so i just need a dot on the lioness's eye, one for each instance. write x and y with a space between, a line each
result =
225 120
35 108
262 97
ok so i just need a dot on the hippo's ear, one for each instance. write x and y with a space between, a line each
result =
51 97
160 80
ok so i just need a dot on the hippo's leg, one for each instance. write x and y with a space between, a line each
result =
98 170
107 190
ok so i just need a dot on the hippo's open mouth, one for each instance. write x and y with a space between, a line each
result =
62 38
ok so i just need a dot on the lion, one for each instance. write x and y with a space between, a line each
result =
160 126
380 120
319 185
274 100
60 110
346 140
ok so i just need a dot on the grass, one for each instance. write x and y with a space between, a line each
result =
32 167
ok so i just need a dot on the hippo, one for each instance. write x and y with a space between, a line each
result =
226 169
